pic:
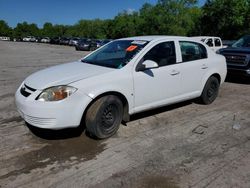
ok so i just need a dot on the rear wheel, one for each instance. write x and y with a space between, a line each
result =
104 117
210 91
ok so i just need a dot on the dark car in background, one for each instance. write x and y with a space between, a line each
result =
105 41
55 40
238 57
74 41
86 45
64 41
228 43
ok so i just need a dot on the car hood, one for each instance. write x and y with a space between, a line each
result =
64 74
235 50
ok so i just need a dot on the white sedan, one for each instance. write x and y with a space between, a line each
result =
123 77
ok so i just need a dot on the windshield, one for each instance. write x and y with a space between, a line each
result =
242 42
116 54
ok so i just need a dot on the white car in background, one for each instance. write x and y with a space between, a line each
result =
121 78
45 40
215 43
29 39
4 38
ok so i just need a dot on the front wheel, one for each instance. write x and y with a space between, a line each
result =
104 117
210 91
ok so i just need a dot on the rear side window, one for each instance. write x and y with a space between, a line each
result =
217 42
191 51
163 54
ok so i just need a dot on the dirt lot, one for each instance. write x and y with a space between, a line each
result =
185 145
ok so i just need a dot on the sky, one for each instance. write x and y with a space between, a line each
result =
66 12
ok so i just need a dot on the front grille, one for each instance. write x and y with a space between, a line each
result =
237 59
26 90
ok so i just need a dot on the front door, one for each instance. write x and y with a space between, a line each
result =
158 86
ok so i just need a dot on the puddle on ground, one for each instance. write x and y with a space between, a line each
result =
63 153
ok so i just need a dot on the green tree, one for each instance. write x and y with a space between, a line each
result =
124 25
25 29
47 30
169 17
5 30
225 18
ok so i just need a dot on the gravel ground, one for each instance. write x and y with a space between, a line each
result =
183 145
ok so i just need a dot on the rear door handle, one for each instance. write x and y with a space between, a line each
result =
174 72
204 66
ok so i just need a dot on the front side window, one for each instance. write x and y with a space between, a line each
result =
163 54
191 51
116 54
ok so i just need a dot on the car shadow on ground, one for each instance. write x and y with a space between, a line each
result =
48 134
238 79
156 111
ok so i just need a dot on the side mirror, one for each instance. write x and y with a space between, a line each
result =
148 64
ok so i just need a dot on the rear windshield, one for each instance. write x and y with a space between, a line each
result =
116 54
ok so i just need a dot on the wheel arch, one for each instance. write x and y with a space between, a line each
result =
123 99
216 75
208 75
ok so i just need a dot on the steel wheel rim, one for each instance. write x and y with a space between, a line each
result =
109 118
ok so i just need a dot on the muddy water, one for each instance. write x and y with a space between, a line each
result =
59 152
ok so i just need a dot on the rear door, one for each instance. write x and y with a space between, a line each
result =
193 67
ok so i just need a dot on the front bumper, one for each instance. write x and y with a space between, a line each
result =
66 113
238 72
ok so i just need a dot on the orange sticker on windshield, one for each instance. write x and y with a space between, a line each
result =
131 48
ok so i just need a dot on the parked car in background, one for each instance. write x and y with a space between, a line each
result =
55 40
122 78
228 43
5 38
215 43
86 45
64 41
29 39
74 41
105 41
98 43
238 57
45 40
17 39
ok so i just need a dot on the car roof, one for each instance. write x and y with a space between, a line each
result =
203 37
156 37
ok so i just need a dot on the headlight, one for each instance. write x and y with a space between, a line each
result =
56 93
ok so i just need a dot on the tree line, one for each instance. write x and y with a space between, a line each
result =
228 19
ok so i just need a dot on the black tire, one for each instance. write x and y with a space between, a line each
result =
104 116
210 91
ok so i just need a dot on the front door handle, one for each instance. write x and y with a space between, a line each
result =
174 72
